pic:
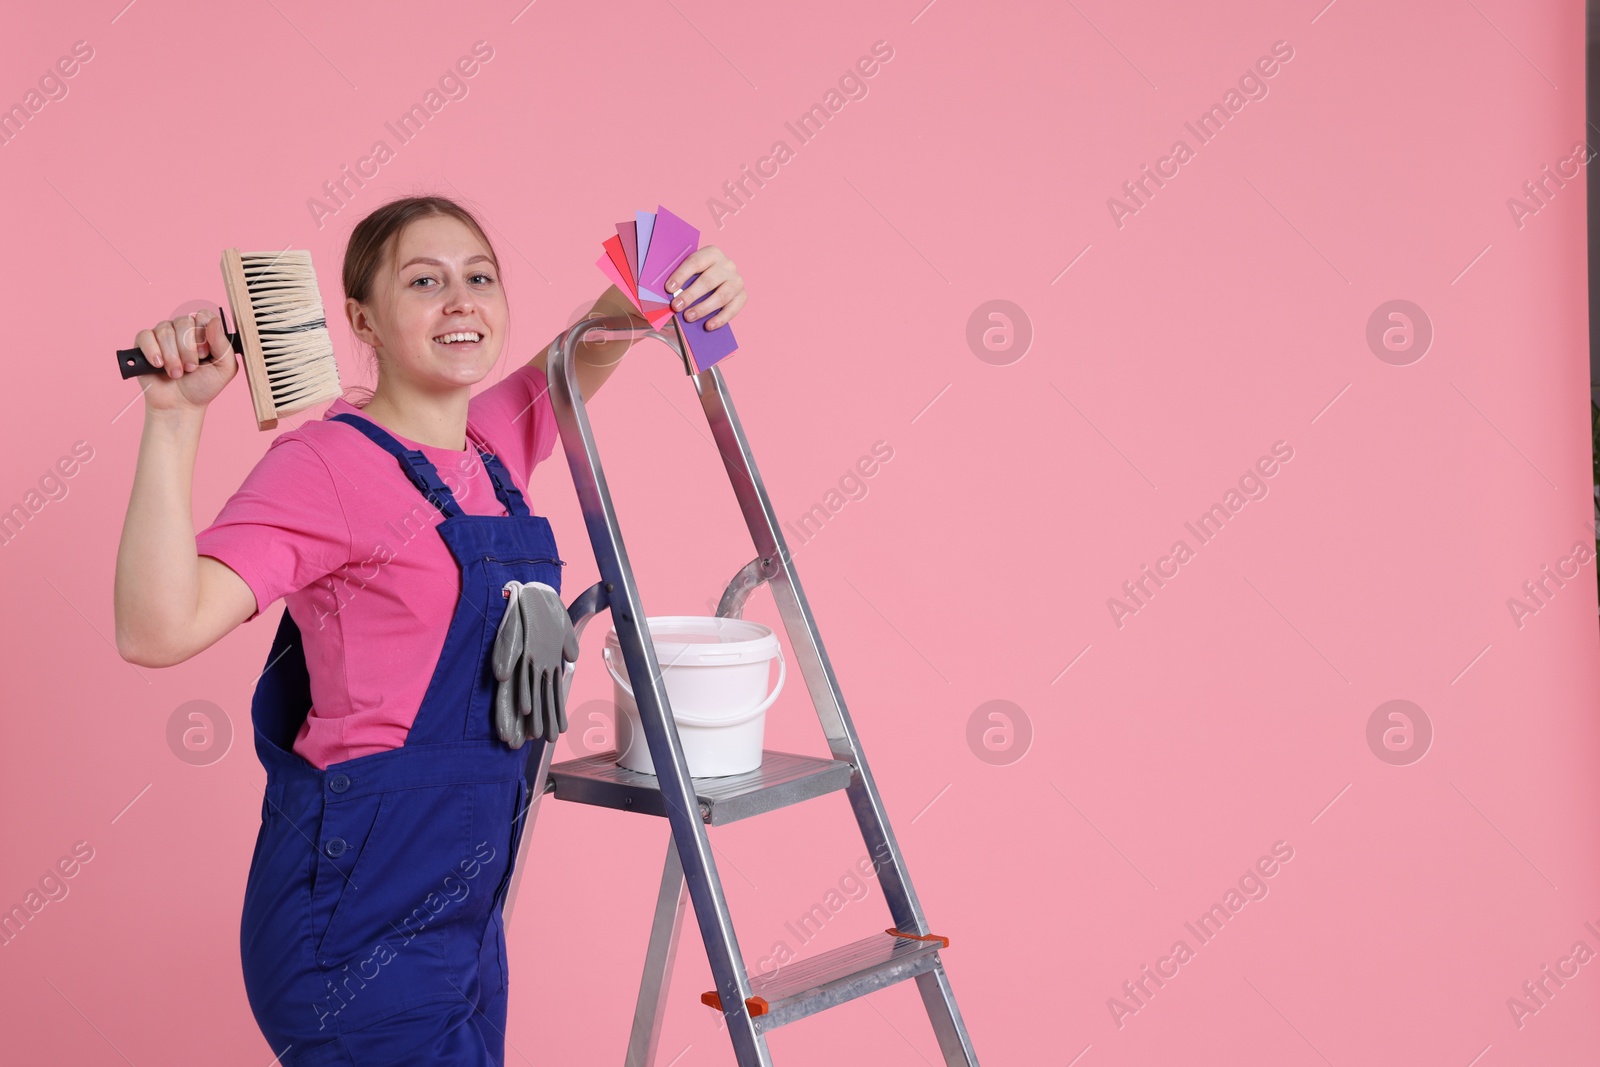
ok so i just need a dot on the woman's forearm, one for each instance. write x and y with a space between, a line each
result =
157 580
717 295
596 360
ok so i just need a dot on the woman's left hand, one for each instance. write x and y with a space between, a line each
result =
717 277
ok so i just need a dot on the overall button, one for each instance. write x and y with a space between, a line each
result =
335 847
339 783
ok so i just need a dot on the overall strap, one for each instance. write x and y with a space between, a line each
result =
413 463
504 487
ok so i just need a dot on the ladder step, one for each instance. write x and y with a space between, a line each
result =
831 978
783 778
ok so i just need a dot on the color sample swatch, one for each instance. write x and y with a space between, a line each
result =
640 259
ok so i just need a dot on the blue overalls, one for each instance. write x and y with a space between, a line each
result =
372 930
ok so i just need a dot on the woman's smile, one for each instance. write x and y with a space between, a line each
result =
461 341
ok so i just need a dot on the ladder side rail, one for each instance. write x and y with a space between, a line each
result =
806 641
638 651
645 1036
949 1029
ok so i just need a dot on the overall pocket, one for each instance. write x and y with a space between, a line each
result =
500 570
394 939
342 840
491 575
406 873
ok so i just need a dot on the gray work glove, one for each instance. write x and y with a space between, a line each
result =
534 655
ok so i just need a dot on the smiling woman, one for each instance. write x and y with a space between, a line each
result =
422 291
376 716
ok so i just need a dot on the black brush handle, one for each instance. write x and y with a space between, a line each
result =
132 362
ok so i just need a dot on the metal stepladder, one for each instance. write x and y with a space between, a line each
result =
752 1006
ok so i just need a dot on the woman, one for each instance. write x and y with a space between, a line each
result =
371 931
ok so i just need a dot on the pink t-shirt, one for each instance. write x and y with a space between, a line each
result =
328 521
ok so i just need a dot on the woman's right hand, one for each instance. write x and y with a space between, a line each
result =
177 346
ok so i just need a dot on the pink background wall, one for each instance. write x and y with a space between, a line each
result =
1149 765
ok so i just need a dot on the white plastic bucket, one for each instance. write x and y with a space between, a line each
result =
715 672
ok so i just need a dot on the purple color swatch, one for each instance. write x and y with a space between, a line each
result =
671 242
705 346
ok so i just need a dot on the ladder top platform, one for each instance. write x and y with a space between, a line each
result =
783 778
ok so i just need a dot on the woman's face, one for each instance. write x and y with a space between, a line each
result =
438 282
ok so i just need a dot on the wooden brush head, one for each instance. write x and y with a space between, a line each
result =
284 347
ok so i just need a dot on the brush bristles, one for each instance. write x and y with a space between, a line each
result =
287 307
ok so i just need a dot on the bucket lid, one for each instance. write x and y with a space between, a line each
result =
705 640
